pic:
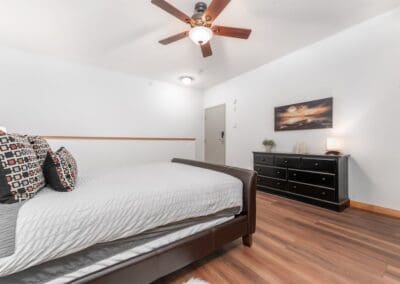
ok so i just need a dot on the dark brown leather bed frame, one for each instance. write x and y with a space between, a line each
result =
165 260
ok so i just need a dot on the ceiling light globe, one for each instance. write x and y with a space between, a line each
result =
201 35
186 80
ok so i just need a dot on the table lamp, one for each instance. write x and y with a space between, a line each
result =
333 146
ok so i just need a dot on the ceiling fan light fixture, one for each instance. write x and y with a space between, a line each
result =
200 35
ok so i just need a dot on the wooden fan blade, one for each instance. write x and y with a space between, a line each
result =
172 10
231 32
174 38
215 8
206 49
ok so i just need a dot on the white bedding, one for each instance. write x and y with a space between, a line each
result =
120 204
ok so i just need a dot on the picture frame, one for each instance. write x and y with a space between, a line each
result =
316 114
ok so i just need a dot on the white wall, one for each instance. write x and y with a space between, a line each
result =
47 96
103 156
360 68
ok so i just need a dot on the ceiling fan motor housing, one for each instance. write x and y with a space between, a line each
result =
199 9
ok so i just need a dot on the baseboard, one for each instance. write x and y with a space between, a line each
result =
375 209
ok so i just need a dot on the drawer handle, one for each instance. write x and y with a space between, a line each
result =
294 186
278 183
316 164
285 162
323 193
294 175
323 179
278 172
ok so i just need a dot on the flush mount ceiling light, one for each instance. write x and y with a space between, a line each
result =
201 24
186 80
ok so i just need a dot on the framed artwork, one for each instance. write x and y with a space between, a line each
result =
309 115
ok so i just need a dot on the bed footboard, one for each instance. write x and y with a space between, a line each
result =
248 178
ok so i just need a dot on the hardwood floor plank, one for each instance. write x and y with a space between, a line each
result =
370 239
336 250
299 243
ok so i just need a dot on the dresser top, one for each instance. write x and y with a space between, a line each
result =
303 155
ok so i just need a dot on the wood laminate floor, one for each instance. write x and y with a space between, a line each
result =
299 243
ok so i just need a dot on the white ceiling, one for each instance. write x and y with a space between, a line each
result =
123 34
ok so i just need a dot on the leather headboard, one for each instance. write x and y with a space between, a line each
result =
248 178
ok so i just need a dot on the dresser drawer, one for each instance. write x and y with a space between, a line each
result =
312 178
264 159
269 182
287 162
312 191
271 172
319 165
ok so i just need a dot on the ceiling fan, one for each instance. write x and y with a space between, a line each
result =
201 23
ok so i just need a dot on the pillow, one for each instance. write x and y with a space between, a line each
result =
21 176
60 170
41 148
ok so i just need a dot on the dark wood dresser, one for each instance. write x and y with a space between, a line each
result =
316 179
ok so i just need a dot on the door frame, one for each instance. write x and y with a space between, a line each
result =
204 129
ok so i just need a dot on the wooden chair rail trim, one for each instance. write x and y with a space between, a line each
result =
375 209
118 138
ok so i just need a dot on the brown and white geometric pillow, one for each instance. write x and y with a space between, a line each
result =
21 175
41 147
60 170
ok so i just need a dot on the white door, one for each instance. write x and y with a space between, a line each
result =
215 135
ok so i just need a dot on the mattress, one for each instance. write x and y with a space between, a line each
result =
119 204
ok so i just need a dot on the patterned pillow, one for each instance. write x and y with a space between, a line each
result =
60 170
41 148
21 176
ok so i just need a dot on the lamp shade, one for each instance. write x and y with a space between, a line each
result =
200 35
333 144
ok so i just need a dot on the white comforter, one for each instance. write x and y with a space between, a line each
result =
116 205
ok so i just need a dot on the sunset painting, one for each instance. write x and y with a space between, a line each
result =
310 115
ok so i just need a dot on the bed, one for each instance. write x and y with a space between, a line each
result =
176 213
